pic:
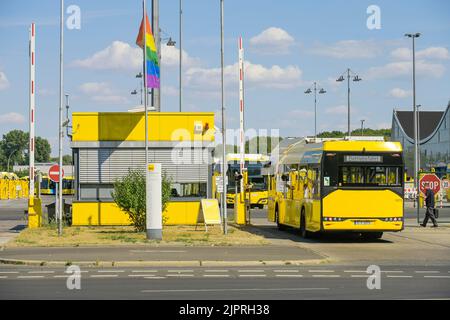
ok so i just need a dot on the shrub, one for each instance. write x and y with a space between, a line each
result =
129 195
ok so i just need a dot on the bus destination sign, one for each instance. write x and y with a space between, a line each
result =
355 158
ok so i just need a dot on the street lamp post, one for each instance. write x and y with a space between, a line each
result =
419 164
224 156
362 127
356 78
321 91
413 36
9 158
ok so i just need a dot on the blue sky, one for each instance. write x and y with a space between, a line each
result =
289 45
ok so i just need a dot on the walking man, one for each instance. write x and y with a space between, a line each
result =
429 202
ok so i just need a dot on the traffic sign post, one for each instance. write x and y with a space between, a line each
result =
53 174
432 181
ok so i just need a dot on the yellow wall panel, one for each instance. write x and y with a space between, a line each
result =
125 126
108 214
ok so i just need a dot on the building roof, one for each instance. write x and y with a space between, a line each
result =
428 122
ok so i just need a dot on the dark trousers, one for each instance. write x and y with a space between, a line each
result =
430 215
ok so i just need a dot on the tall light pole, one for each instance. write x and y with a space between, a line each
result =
356 78
60 127
362 127
181 54
321 91
413 36
224 142
418 137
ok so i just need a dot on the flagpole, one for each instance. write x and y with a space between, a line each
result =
145 82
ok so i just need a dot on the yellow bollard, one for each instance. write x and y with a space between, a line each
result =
239 209
34 213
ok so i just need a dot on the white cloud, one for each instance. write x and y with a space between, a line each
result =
337 110
256 75
437 53
124 57
170 57
400 93
118 56
4 83
102 92
272 41
404 68
349 49
12 118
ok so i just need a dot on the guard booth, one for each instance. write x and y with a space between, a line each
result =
107 145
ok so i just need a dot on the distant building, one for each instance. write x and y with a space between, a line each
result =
434 137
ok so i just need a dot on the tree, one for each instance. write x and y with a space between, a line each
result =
129 195
13 145
67 160
43 150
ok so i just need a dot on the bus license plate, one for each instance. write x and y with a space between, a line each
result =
362 223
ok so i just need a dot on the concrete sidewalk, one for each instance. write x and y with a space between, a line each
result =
162 256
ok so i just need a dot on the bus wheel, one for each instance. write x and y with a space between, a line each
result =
303 232
277 219
372 235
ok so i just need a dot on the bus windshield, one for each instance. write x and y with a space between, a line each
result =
369 176
362 170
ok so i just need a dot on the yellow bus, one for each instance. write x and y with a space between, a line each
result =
48 186
254 164
68 185
329 185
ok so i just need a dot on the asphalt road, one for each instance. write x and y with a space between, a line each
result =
280 283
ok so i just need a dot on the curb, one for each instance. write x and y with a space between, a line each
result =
192 263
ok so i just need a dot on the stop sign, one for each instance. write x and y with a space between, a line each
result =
430 180
53 173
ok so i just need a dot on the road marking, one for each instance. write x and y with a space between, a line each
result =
326 276
288 275
104 276
252 275
216 275
258 270
180 271
157 251
67 276
8 272
437 277
154 278
41 272
218 271
426 271
391 271
233 290
285 271
321 271
355 271
30 277
3 277
111 271
179 275
399 276
359 275
144 271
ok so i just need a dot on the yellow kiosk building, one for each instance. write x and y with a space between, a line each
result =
107 145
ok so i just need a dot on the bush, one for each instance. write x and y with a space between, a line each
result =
129 195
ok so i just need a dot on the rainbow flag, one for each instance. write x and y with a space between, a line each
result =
153 71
